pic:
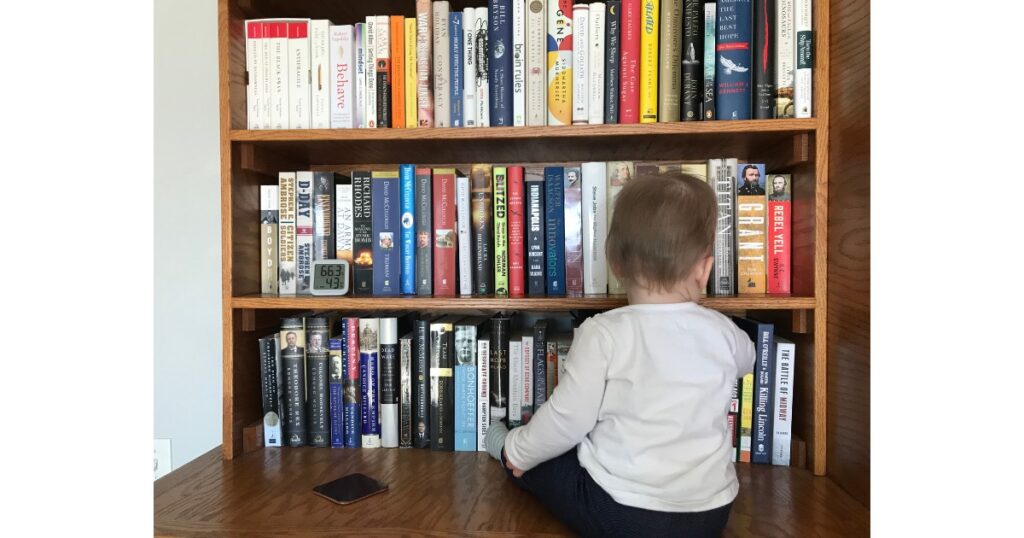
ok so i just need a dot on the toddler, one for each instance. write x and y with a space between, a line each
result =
634 439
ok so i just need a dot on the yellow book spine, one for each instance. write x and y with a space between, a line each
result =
746 416
649 62
411 108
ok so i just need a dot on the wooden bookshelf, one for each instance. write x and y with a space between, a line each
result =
252 158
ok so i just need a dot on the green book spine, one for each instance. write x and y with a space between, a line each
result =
500 189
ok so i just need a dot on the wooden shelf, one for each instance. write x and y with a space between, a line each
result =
759 302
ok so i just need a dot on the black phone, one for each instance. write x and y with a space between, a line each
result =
350 488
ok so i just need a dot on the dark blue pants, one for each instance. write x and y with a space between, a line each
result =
567 489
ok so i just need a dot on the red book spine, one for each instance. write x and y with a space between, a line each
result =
629 66
780 244
516 277
445 235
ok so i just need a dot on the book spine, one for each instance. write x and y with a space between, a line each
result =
359 106
536 62
351 384
469 54
362 234
385 229
619 173
499 61
540 376
596 63
499 399
629 64
551 365
761 442
444 232
483 402
785 59
733 60
324 244
319 426
465 235
595 226
751 211
277 35
270 378
554 228
483 84
580 61
780 234
782 425
269 214
442 66
518 63
649 61
804 58
407 173
457 74
721 176
303 230
612 55
670 54
389 382
465 388
397 76
693 60
298 75
370 59
560 78
411 63
421 384
527 358
343 204
293 362
516 252
515 383
337 417
424 72
383 65
764 59
253 59
746 415
483 229
286 232
319 71
535 236
500 188
731 420
405 401
264 76
734 418
424 233
342 68
573 193
369 373
442 390
710 16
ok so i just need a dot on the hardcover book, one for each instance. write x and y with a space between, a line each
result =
536 62
785 59
405 400
463 222
595 228
710 30
734 418
560 77
751 237
515 381
254 43
780 233
265 77
362 233
554 228
722 177
535 216
444 232
442 66
619 173
629 62
649 61
324 242
424 56
540 368
276 34
320 74
613 55
318 421
499 61
527 358
762 335
573 192
670 55
351 383
424 232
411 66
303 230
386 225
746 416
457 63
518 63
343 233
359 110
389 371
342 69
397 75
764 60
334 385
596 63
269 198
466 332
370 61
442 383
804 58
286 233
298 75
369 374
483 376
293 361
500 189
483 229
407 197
272 384
421 383
483 84
516 237
551 364
693 59
469 54
500 328
782 422
733 60
383 64
580 61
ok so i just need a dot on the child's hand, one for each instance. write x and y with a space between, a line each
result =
516 471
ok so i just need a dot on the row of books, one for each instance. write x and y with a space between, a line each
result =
533 62
505 230
405 380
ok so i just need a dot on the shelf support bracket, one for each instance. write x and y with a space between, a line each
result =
801 322
248 320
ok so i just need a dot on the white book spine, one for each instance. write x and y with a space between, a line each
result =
359 109
469 67
483 396
298 75
785 360
518 63
596 63
320 73
528 376
465 242
536 62
389 411
483 85
802 91
369 57
286 233
303 230
343 205
278 75
595 269
264 75
442 66
515 382
580 60
342 64
253 59
785 67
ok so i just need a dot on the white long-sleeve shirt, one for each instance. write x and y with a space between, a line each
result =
645 395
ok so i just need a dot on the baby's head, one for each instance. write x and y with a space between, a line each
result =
661 234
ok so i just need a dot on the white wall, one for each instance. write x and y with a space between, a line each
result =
187 317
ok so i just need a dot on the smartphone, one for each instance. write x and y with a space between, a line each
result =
350 488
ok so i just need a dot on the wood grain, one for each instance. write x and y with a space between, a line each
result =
268 493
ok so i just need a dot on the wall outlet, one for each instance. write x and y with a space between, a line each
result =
161 457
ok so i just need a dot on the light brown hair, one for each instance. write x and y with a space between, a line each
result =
662 225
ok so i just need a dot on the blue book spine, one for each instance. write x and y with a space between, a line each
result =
385 213
499 61
455 51
761 438
334 386
554 229
465 406
734 65
368 387
350 386
407 175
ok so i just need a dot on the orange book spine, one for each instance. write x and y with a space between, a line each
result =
397 70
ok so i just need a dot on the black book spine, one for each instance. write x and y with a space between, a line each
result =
362 234
764 59
535 236
693 59
317 418
500 327
540 362
424 233
324 210
612 29
481 205
421 384
293 359
405 401
383 94
442 386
